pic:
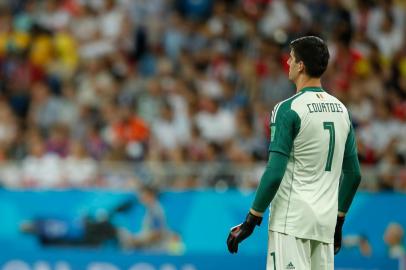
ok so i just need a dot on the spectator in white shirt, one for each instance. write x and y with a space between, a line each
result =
377 16
388 37
80 170
165 130
111 21
41 169
215 124
382 131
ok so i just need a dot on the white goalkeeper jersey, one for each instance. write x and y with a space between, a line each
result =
313 129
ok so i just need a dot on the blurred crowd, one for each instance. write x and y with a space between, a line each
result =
88 82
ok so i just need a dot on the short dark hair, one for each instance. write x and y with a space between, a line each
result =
313 52
150 189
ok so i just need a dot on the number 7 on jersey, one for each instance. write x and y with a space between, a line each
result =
330 127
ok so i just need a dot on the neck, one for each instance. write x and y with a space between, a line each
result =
304 81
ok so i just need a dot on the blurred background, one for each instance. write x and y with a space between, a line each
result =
133 133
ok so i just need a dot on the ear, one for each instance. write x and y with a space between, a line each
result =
301 66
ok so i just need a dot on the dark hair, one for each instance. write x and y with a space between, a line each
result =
150 189
389 16
314 54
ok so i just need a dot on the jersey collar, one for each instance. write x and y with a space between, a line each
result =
312 89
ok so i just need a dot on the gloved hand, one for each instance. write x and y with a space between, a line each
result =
338 234
242 231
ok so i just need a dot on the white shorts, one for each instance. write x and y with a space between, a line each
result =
286 252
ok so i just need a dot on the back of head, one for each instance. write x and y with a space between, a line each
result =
148 194
313 52
394 234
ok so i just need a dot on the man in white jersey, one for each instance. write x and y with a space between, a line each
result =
312 145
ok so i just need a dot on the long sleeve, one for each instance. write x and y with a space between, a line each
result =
351 174
270 181
285 125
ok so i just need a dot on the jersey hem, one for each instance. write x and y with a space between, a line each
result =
302 236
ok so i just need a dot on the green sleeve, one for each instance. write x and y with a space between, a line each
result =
270 181
284 128
350 144
285 125
351 174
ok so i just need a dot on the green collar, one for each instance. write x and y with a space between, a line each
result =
311 89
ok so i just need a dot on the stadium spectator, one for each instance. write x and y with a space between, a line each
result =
380 132
393 237
79 170
44 107
8 128
215 124
154 235
388 38
58 140
41 169
165 130
380 13
150 101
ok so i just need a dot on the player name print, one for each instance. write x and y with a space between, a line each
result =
324 107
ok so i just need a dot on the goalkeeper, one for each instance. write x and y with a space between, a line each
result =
312 145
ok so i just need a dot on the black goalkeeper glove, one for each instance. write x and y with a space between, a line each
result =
242 231
338 234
